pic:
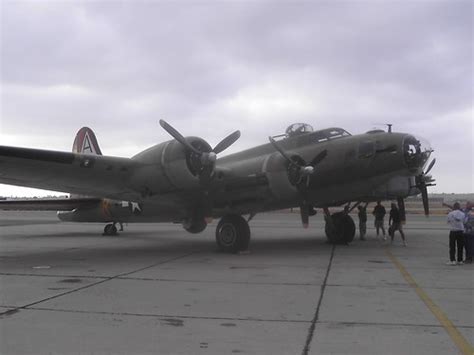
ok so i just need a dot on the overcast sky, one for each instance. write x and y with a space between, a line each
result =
211 67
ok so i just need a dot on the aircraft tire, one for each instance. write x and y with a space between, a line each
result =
341 230
232 234
195 227
110 229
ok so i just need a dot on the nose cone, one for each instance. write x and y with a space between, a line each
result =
416 151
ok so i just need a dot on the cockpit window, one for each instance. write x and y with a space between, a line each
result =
330 133
305 134
416 151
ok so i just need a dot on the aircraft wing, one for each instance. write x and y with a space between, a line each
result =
50 204
84 174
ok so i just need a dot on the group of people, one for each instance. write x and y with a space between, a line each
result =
395 222
461 234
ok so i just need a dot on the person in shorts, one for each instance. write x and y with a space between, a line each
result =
395 224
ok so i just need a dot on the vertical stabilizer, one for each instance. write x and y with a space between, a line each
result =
86 142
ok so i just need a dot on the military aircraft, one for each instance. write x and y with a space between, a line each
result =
182 181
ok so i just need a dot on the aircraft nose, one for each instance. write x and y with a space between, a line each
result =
416 151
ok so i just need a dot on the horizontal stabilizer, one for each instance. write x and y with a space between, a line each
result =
53 204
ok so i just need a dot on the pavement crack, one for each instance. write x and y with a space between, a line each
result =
312 328
15 310
169 316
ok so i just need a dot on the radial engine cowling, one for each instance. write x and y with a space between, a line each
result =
170 165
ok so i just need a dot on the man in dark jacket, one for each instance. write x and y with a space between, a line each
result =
379 214
395 224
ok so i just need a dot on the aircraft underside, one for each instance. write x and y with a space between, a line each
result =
233 231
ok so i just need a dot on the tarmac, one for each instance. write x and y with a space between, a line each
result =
155 289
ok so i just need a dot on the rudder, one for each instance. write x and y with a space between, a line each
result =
86 142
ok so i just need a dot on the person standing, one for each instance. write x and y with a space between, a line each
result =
379 213
456 234
469 232
395 224
362 221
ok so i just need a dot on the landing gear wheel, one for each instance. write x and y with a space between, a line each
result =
233 234
110 229
341 230
196 226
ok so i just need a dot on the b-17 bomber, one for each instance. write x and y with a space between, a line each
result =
184 181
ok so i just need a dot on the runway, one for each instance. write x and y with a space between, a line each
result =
155 289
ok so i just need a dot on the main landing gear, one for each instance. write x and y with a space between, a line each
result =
111 228
340 227
233 234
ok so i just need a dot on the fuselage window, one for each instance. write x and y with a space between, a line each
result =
366 149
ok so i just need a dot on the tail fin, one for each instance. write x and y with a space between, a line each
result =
86 142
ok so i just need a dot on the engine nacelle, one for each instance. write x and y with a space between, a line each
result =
169 166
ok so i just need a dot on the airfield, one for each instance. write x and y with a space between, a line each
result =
155 289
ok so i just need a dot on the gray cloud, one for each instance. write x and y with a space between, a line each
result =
212 67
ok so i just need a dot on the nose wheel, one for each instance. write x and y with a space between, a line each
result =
232 234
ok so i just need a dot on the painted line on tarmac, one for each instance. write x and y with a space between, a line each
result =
456 336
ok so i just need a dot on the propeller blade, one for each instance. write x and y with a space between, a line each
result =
281 151
176 135
424 197
304 211
430 166
205 176
319 158
226 142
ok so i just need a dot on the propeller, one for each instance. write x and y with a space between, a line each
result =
430 166
204 162
422 182
204 159
298 170
299 175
